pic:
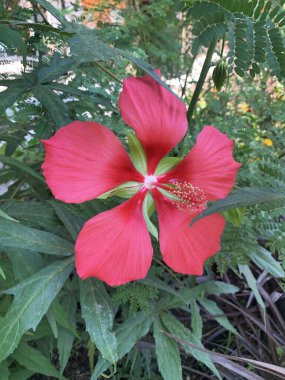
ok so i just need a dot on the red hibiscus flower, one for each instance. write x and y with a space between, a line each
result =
85 160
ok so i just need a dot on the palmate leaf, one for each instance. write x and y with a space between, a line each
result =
253 29
16 87
32 298
12 38
85 46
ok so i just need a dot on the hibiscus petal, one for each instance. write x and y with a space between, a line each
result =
184 248
209 165
84 160
156 115
115 245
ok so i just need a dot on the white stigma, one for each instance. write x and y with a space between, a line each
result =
149 181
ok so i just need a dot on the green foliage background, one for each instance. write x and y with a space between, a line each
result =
157 327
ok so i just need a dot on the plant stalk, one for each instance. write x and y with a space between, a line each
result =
201 80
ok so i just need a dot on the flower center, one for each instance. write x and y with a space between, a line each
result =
150 181
188 197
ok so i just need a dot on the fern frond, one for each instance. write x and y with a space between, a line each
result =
253 29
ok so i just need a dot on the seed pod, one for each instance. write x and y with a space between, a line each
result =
220 74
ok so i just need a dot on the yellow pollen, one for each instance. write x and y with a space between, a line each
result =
190 198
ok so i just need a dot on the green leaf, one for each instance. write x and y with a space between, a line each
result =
94 96
264 259
215 287
15 235
72 222
25 263
34 214
2 274
22 374
196 320
248 196
167 353
62 317
32 298
52 10
137 153
217 314
54 106
57 67
86 47
12 38
34 360
235 216
15 89
98 316
251 282
23 167
65 335
4 371
6 216
128 334
177 329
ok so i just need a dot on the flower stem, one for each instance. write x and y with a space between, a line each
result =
201 81
108 72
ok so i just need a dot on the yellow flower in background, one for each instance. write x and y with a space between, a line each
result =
243 107
267 142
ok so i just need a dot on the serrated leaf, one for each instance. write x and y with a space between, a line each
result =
248 196
86 47
54 106
264 260
12 38
57 67
97 97
23 167
15 235
98 316
6 216
218 314
34 214
25 263
66 335
15 89
177 329
72 222
167 353
32 298
251 282
22 374
128 334
34 360
216 287
196 320
62 316
4 371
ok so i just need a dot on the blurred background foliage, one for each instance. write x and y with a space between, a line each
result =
62 61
